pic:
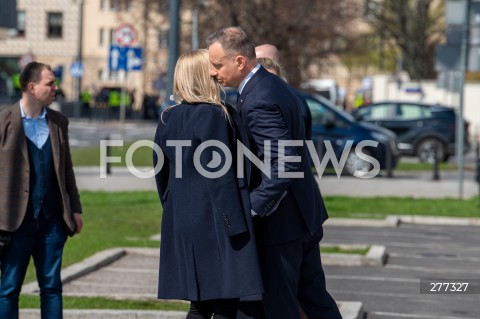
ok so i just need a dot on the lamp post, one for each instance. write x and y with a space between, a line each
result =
195 11
460 124
173 35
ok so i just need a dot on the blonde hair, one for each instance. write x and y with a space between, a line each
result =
192 81
270 64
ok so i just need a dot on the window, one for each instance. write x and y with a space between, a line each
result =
162 39
102 75
410 111
113 39
101 37
377 112
163 6
320 114
55 22
102 4
21 24
120 5
127 4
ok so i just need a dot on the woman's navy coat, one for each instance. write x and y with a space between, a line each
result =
207 249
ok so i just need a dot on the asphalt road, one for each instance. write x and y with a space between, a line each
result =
89 133
415 252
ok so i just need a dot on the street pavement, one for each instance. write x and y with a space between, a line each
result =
429 252
403 184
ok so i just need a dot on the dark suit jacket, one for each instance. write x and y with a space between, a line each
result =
207 248
290 206
14 168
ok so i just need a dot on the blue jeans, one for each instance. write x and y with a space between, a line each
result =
43 239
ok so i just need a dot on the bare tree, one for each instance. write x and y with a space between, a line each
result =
305 31
415 26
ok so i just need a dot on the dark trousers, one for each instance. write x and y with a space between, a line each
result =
250 310
219 308
294 278
43 239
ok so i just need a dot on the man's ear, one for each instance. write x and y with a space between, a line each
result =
240 61
31 87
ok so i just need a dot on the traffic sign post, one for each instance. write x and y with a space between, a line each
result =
76 69
460 54
76 72
125 59
134 59
126 35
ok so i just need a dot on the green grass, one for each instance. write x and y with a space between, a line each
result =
409 166
124 219
90 156
341 250
27 301
379 207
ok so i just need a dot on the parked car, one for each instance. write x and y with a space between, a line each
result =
423 130
332 124
338 127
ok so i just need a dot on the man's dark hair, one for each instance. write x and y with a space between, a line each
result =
32 72
234 41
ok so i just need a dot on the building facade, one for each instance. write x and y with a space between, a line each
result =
47 31
61 32
101 20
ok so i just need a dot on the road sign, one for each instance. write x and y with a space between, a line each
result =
126 35
125 58
134 59
116 61
76 69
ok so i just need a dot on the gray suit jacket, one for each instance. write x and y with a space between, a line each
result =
15 168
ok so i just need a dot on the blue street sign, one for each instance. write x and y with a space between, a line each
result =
76 69
116 58
125 58
134 58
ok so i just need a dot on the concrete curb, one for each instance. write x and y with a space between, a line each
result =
83 267
376 256
389 221
352 310
396 220
437 220
108 314
349 310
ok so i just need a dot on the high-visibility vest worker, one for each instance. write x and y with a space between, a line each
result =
114 98
86 97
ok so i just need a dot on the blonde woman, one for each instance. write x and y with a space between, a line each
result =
208 253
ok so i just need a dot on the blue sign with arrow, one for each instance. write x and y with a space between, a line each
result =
125 58
76 69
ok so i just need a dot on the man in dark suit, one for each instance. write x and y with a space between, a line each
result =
270 51
39 201
287 203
